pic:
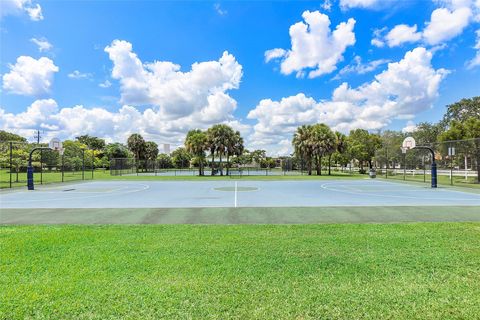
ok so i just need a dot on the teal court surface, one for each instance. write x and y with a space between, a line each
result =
243 201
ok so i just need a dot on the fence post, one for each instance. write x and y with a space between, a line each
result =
451 170
83 164
11 162
386 162
41 166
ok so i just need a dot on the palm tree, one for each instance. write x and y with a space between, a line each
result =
196 144
136 144
302 144
234 147
151 153
151 150
323 143
211 146
218 139
340 146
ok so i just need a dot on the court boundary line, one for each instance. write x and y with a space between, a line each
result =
146 187
325 186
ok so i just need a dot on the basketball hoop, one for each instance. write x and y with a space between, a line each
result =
56 145
408 143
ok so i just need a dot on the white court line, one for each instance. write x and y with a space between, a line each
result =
235 194
326 187
145 187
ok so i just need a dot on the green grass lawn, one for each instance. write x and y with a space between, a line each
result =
47 177
369 271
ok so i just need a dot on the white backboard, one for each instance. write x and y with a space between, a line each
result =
409 143
56 144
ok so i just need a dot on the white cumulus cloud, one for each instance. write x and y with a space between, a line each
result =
314 47
405 89
105 84
79 75
17 7
42 43
446 24
176 94
172 102
29 76
358 3
410 127
402 33
475 62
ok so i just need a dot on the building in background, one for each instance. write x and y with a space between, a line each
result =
166 148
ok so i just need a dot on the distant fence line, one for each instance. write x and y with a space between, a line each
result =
457 161
127 166
49 166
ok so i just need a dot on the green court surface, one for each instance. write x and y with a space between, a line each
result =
287 215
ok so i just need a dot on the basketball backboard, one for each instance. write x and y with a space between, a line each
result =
409 143
56 144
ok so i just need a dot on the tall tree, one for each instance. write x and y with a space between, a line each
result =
151 150
234 147
323 143
164 161
302 143
116 150
340 148
427 133
181 158
218 138
257 156
462 110
8 136
362 146
136 144
196 144
467 129
91 142
390 151
212 148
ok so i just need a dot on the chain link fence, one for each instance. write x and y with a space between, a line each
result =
49 166
287 166
457 163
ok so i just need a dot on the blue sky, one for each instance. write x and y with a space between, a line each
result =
58 62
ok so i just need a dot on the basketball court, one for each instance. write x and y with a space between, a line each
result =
88 202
